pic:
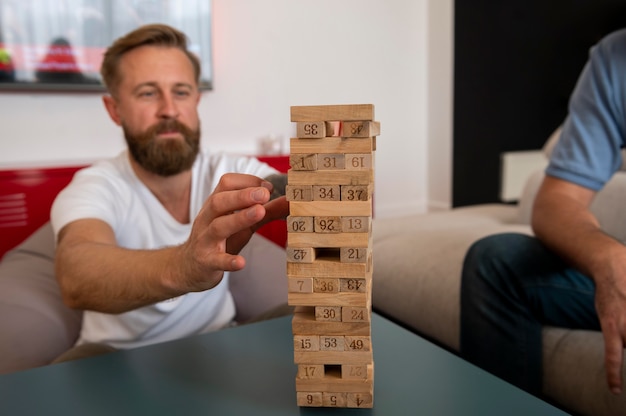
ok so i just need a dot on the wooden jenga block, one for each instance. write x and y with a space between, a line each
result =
331 208
353 254
328 313
303 161
325 285
326 224
313 399
331 177
353 285
332 145
357 343
328 161
307 371
306 343
326 192
334 380
299 192
300 254
335 299
354 371
332 357
300 284
311 129
333 112
332 343
355 192
356 224
327 239
356 314
300 224
327 268
361 129
334 399
358 161
360 400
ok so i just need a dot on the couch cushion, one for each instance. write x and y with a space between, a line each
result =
418 261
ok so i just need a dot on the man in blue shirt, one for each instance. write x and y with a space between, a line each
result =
572 274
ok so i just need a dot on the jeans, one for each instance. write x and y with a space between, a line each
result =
512 286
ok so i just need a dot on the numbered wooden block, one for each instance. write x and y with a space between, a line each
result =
310 399
300 255
327 224
304 162
306 343
311 129
353 254
328 313
334 399
310 371
299 193
359 161
300 285
353 343
326 193
335 161
332 112
353 285
355 314
300 224
355 192
354 372
360 400
332 343
356 224
326 285
361 128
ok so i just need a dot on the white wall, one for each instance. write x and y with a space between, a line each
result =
270 55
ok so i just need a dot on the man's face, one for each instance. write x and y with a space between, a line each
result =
156 105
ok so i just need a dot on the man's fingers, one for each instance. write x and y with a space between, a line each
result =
613 358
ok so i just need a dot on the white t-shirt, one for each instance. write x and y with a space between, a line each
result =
110 191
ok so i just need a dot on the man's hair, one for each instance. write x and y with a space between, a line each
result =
153 34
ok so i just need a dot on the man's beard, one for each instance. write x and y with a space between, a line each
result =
164 157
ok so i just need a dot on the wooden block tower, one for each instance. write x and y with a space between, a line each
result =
329 253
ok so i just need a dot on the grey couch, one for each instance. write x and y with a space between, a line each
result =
418 262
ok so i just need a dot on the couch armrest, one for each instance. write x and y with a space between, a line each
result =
35 325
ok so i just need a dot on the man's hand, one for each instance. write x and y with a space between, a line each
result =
234 211
610 302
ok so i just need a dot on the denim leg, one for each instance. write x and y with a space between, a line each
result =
511 286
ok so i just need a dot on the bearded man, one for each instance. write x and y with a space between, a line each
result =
145 240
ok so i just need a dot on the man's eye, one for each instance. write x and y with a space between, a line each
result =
146 94
182 93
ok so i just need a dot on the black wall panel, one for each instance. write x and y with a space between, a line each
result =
515 65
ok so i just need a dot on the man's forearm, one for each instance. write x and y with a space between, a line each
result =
110 279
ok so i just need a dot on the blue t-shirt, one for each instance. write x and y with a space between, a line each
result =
589 150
